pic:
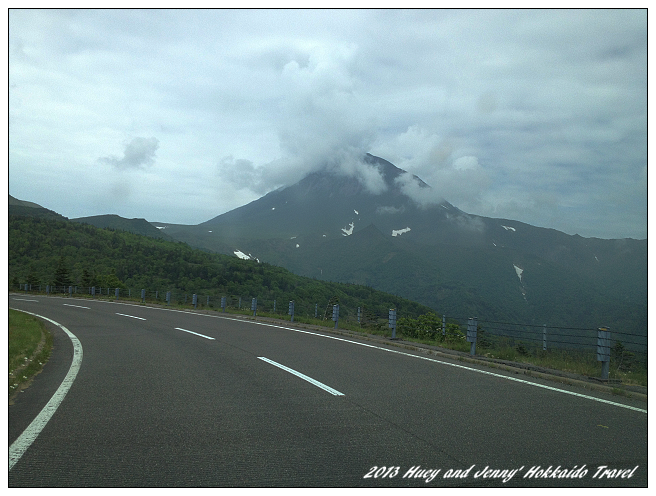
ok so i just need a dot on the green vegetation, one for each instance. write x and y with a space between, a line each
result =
136 226
50 252
427 329
29 348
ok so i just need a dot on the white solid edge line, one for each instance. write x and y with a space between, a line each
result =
192 332
25 440
564 391
304 377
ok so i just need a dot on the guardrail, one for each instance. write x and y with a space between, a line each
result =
488 335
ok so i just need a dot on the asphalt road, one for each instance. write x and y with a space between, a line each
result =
171 398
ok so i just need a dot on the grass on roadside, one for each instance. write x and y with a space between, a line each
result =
568 360
29 348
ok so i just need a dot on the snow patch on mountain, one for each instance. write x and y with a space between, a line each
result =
508 228
519 272
400 231
243 256
356 212
349 231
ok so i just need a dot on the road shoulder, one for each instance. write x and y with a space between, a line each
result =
29 402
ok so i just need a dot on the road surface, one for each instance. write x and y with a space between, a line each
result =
177 398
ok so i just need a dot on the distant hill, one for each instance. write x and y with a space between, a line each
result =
106 258
30 209
20 203
136 226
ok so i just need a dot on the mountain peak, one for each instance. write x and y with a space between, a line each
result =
375 177
336 201
389 171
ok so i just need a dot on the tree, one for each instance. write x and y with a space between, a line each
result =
32 278
111 280
334 300
623 358
87 278
62 275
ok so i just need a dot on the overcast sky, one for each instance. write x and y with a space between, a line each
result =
179 116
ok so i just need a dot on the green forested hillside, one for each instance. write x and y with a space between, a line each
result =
136 226
466 281
44 251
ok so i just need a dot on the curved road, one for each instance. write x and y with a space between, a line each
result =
173 398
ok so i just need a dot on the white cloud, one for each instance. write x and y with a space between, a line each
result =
352 165
466 163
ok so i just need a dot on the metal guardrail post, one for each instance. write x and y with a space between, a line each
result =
603 351
392 321
471 334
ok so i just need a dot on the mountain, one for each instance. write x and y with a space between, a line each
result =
38 248
30 209
110 221
21 203
331 205
136 226
331 226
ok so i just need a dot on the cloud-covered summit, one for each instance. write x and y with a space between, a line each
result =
539 115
